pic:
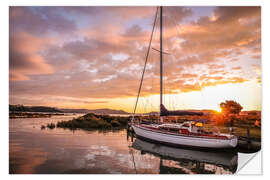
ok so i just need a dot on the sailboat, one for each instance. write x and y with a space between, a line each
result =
190 133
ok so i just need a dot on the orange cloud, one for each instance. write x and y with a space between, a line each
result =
236 68
84 61
24 57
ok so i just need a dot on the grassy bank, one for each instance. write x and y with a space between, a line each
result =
93 121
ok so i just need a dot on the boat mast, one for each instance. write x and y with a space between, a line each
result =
161 65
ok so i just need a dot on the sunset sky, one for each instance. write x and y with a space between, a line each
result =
92 57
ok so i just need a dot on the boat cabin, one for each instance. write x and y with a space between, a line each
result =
184 128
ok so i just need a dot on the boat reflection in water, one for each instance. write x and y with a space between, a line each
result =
188 161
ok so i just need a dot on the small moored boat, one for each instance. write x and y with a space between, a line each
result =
189 133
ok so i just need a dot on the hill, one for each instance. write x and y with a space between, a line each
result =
22 108
95 111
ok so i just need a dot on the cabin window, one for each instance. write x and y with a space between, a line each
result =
186 125
163 128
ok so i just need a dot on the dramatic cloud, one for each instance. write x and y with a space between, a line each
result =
39 21
78 53
24 58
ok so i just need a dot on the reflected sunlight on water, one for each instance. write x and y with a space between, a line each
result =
33 150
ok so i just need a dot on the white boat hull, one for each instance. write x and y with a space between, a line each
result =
183 140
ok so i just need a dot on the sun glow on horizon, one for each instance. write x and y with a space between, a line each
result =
218 110
248 94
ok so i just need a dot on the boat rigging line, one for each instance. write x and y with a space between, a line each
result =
146 58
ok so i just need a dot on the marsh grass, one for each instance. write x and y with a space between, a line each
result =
51 125
93 121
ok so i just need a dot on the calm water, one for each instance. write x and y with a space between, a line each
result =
32 150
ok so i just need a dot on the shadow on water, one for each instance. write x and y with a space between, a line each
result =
65 151
174 160
248 146
187 161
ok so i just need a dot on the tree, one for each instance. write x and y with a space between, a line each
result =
230 107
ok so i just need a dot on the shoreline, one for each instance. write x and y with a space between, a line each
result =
14 115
